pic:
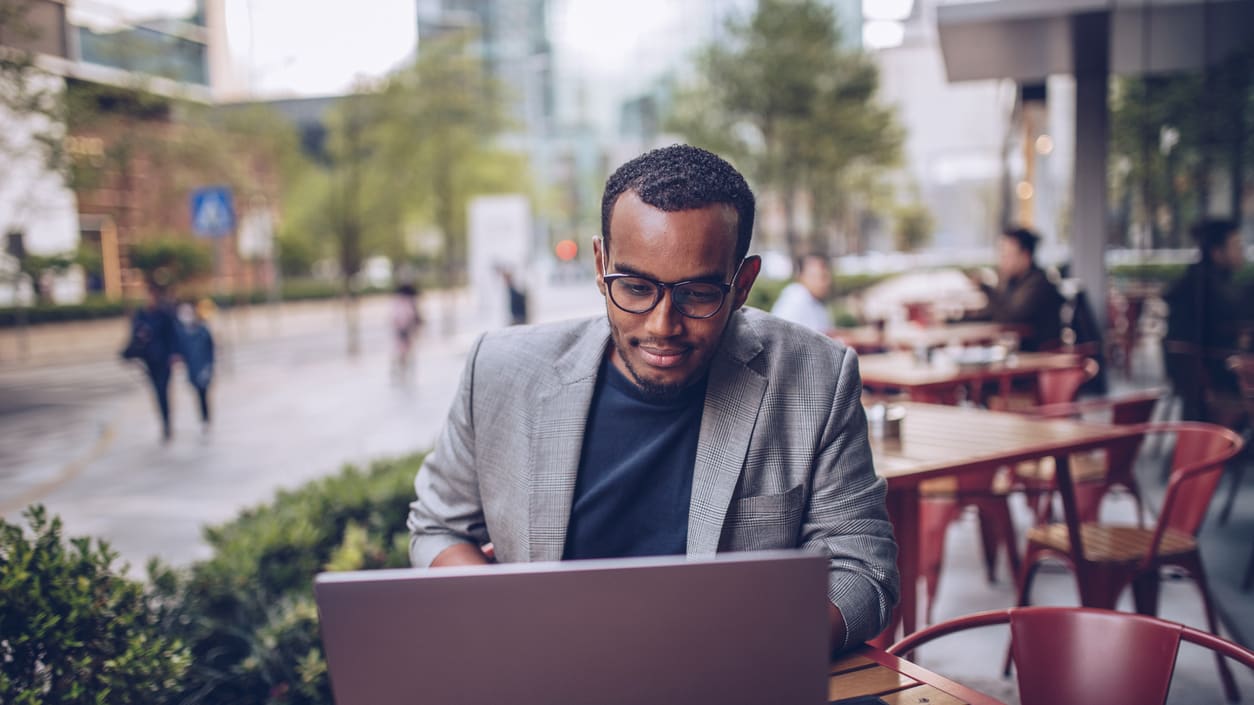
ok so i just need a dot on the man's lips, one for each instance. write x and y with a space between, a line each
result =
663 357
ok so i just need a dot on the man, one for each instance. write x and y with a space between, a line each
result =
676 424
805 300
1024 297
1207 314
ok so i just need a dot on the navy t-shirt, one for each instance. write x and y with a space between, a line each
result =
635 471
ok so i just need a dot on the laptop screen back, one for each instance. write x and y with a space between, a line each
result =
745 628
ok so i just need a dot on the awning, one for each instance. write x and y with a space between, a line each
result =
1027 40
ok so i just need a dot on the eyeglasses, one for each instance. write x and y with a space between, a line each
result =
695 299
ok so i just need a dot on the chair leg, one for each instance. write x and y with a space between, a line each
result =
935 515
1236 470
1145 591
989 540
1193 564
1248 581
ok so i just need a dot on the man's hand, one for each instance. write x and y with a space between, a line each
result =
838 626
467 554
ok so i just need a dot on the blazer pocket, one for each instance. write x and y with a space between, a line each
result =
763 522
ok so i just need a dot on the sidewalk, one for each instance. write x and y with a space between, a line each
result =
293 406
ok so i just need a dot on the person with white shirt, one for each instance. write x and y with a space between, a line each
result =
805 300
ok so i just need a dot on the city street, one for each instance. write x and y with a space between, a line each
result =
80 434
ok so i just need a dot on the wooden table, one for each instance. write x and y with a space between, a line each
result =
933 381
939 441
910 337
870 671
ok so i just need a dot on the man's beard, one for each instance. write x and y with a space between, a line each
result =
652 391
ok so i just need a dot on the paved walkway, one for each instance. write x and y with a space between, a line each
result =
78 432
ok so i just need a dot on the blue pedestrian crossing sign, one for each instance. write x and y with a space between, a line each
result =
213 212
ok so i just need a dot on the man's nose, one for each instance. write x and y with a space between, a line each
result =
664 321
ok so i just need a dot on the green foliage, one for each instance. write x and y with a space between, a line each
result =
171 260
75 631
248 614
1170 136
27 95
914 227
785 101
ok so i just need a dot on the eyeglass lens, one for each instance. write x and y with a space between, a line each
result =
693 299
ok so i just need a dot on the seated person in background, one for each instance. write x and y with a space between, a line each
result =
1023 297
1205 320
677 423
805 300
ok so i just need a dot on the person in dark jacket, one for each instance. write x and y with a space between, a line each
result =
1207 313
155 342
1024 297
197 347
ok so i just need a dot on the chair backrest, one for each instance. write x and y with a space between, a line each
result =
1083 656
1197 465
1062 385
1129 411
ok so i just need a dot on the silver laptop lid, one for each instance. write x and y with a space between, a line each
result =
740 628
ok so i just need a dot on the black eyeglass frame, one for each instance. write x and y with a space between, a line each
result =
660 288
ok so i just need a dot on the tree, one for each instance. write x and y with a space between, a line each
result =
1171 135
30 101
781 97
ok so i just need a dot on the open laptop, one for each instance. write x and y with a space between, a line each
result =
740 628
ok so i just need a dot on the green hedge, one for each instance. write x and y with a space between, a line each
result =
96 307
73 630
247 614
238 628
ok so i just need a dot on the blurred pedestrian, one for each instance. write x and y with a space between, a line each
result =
805 300
406 322
196 344
1023 297
154 342
517 299
1207 315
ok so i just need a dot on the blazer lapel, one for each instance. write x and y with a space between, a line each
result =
558 432
732 401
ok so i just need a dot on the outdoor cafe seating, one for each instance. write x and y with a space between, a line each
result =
1109 558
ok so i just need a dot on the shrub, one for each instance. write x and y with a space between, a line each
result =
171 260
248 614
74 631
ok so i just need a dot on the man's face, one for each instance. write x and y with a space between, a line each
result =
662 350
1012 260
816 277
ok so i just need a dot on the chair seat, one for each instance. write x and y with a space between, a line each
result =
1112 544
1085 467
947 487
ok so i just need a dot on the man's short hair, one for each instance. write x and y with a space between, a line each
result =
680 178
1211 234
1026 239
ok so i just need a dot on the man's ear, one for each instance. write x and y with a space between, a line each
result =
597 257
749 270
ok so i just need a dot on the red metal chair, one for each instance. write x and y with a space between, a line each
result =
1082 656
1109 558
1094 474
942 500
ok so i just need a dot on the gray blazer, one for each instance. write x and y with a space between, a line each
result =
782 460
